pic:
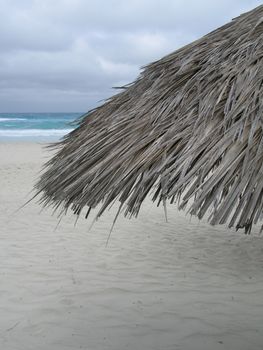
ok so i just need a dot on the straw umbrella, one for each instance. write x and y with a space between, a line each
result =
188 130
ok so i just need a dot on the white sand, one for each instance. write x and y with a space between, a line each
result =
177 285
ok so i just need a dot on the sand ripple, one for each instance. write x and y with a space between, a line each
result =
158 285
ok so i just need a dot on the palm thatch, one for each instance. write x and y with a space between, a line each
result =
189 129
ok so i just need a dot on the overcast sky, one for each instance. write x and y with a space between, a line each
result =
65 55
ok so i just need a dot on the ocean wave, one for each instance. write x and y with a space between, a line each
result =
34 132
12 119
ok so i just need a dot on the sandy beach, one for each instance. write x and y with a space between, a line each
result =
156 286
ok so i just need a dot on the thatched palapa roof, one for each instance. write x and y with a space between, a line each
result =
189 129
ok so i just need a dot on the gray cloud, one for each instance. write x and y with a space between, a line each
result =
65 55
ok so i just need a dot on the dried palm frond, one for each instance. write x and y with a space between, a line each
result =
189 129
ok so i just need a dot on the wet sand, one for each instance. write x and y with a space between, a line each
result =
157 285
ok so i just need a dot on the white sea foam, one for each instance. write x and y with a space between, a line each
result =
12 119
34 132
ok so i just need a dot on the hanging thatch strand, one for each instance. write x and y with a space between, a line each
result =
188 129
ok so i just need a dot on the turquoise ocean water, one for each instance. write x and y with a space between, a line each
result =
35 126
